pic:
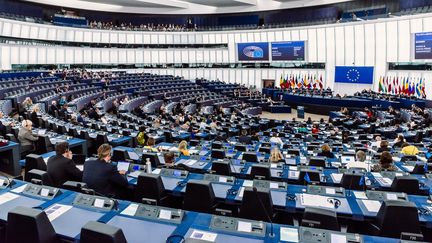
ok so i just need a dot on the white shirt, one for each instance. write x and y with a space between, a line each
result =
357 164
276 140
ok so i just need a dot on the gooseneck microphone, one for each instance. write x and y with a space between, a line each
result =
271 234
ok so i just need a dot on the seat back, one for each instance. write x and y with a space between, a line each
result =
265 150
309 176
43 144
119 155
250 157
406 158
353 181
218 153
101 139
251 207
41 175
154 160
317 161
320 218
221 167
37 226
260 171
397 216
216 145
75 186
408 184
99 232
241 148
149 186
199 196
33 161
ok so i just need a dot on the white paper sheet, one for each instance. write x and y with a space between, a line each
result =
6 197
360 195
244 226
130 210
337 238
203 235
372 205
289 234
19 189
165 214
56 211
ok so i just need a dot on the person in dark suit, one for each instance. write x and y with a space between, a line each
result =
53 108
61 167
244 138
103 177
3 129
34 116
384 146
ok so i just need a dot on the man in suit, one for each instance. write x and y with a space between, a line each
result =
244 138
3 129
26 138
61 167
103 177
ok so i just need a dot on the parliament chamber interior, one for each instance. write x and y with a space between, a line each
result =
225 121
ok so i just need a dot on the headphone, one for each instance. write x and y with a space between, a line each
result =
232 192
336 202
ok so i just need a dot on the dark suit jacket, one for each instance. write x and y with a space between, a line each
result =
103 178
62 169
34 119
329 155
2 129
245 139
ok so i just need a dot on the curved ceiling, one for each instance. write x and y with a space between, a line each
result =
184 6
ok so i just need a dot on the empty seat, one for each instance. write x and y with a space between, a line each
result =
250 157
260 171
408 184
353 181
199 196
320 218
29 225
217 154
40 176
150 186
33 161
221 167
251 206
99 232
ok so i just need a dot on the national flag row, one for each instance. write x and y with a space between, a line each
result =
307 81
402 85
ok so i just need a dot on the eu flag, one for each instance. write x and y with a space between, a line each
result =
354 75
361 182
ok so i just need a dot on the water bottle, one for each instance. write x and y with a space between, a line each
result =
148 166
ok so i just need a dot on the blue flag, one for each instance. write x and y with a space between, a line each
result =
361 182
307 178
425 167
354 75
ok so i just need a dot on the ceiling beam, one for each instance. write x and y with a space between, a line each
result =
168 3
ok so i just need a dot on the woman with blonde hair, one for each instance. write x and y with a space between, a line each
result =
183 148
275 155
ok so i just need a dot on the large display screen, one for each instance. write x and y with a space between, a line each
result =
258 51
423 45
354 75
288 51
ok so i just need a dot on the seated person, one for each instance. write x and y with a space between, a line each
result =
315 129
276 140
302 129
61 167
409 149
34 115
26 138
399 141
183 148
103 177
255 137
141 136
169 159
384 146
377 142
244 138
150 145
326 152
385 163
360 161
276 155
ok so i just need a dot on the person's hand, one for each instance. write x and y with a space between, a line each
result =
122 172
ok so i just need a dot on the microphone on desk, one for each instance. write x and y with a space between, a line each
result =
271 234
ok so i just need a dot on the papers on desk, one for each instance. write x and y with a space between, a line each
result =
248 183
309 200
244 226
135 174
360 194
289 234
203 235
19 189
408 168
56 211
337 238
6 197
188 162
80 167
165 214
372 205
156 171
241 192
133 155
396 159
130 210
336 177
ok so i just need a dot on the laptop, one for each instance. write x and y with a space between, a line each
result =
123 166
133 155
42 132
